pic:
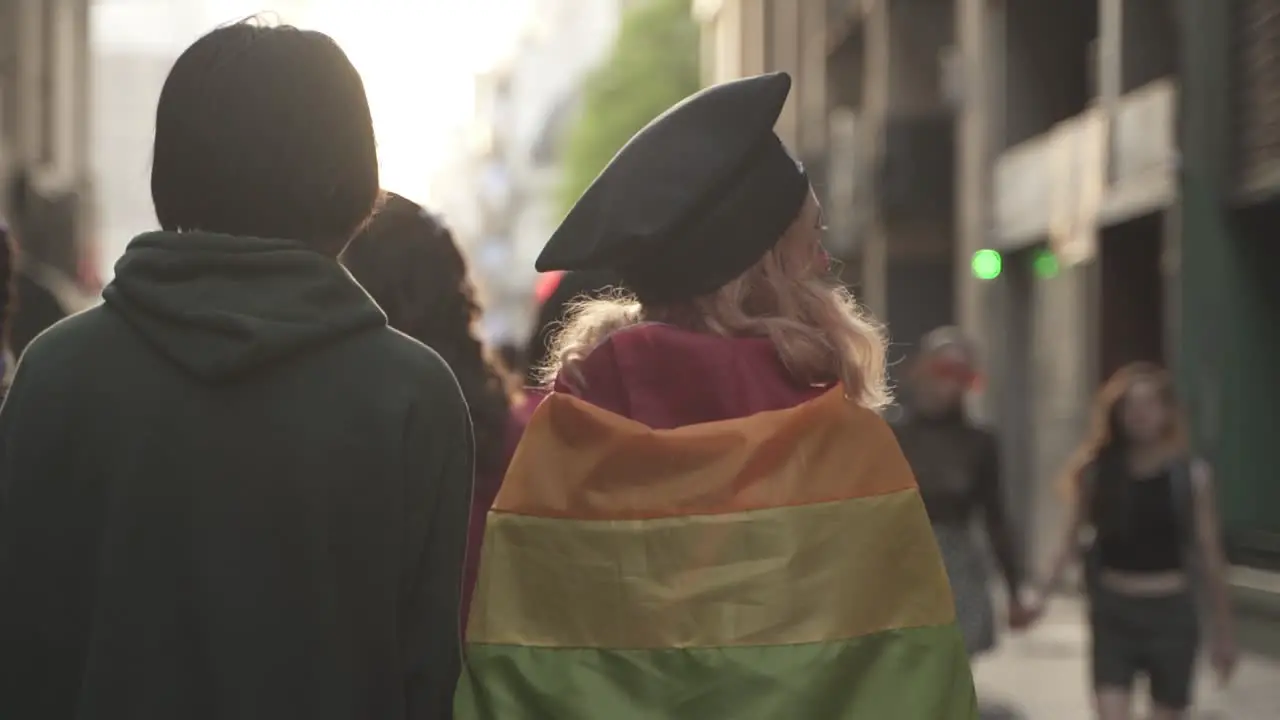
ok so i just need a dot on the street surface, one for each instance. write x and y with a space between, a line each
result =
1043 675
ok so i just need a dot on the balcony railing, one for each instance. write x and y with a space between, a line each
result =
1100 167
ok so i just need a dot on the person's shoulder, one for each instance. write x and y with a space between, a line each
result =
1196 471
64 357
397 355
983 442
72 336
985 435
397 350
976 427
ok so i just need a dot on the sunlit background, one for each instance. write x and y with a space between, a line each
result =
418 59
1071 209
469 98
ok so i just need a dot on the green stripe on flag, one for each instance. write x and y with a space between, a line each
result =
917 673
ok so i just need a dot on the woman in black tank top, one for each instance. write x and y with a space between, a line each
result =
1136 523
1155 542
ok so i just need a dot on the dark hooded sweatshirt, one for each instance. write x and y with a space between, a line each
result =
231 492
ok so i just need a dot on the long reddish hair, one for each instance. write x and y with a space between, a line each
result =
1106 425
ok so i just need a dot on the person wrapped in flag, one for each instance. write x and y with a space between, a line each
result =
707 518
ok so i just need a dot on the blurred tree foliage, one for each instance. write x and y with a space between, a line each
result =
654 64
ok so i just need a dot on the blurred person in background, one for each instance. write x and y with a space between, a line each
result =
707 518
957 465
1153 547
231 490
512 356
44 227
408 261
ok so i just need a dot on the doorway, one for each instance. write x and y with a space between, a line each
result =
1013 363
1131 311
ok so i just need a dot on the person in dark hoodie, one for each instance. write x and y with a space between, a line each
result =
231 491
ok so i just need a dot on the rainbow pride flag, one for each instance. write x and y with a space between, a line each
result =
776 567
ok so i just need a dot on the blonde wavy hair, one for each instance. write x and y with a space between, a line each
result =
820 332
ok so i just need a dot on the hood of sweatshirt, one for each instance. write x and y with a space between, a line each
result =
220 306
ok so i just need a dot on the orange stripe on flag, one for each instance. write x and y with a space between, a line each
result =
818 572
578 461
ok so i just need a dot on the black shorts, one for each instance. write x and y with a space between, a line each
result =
1158 637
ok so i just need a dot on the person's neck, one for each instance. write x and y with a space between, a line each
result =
1147 458
951 413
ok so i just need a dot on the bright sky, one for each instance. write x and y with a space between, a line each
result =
418 59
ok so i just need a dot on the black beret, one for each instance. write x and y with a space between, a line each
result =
693 200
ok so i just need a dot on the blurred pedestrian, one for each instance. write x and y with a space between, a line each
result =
44 227
707 518
957 465
511 354
407 260
231 491
1152 550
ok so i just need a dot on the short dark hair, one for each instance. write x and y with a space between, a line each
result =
265 132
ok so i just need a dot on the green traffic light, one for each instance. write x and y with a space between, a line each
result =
1045 265
986 264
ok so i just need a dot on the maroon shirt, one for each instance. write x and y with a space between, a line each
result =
666 377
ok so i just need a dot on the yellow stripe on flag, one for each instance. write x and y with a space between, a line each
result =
785 575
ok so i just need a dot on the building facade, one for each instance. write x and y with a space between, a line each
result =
1228 208
1119 156
1071 154
524 109
871 116
44 131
